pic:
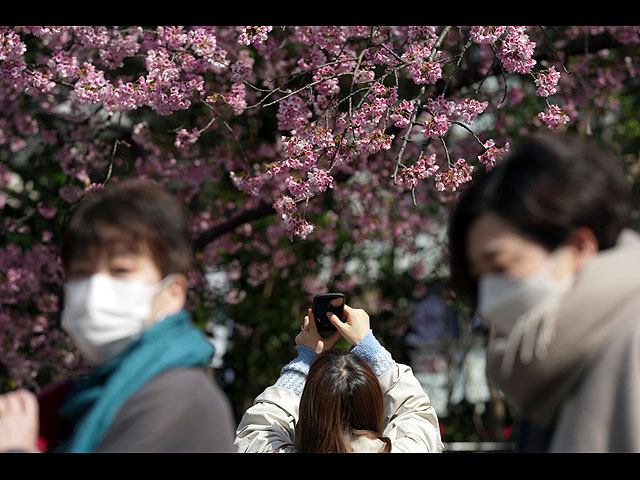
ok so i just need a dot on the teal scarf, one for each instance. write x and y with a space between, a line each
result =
94 400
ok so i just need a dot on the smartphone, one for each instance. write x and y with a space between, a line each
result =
327 302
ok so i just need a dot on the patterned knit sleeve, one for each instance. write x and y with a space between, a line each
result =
376 356
294 374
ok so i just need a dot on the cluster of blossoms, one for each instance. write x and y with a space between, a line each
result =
185 137
329 38
246 183
253 34
119 47
436 126
401 115
553 117
486 34
381 56
12 64
375 142
298 188
443 112
516 52
25 275
423 168
330 86
91 87
294 224
364 75
369 137
382 95
40 81
161 89
456 175
314 59
368 116
298 153
492 153
422 33
467 110
546 81
293 113
422 69
318 180
242 68
516 55
470 108
11 47
236 98
175 61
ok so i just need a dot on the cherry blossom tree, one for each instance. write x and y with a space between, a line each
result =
311 158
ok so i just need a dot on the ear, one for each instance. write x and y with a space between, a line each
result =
178 288
585 244
175 295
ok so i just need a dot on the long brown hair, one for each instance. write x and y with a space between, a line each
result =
341 399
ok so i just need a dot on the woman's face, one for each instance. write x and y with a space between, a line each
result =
495 246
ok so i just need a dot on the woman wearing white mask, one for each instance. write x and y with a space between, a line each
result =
127 253
541 246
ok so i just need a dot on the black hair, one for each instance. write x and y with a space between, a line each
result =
547 187
133 215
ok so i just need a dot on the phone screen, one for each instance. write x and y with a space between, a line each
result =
327 302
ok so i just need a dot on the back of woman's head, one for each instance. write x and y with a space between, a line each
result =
546 188
341 399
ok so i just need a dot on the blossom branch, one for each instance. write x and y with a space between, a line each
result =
417 102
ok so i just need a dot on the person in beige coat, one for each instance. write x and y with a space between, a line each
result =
336 400
541 246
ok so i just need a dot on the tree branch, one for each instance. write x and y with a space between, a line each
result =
206 237
418 102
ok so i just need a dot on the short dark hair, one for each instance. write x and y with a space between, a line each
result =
548 186
134 215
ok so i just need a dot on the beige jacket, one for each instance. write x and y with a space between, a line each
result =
587 387
411 422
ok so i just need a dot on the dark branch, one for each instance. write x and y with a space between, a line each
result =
261 211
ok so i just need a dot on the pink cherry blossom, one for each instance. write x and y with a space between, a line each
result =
401 115
492 153
249 35
436 126
553 117
517 51
185 138
423 168
546 81
456 175
484 35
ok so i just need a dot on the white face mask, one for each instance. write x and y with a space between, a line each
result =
103 315
523 308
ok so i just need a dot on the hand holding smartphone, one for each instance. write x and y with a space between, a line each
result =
323 304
